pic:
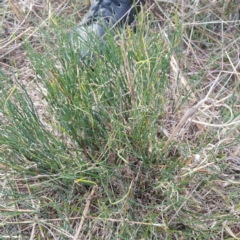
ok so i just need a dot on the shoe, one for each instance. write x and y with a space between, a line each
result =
105 15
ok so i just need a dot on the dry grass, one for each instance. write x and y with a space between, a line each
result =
196 189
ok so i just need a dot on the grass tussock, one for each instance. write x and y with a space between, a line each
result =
141 140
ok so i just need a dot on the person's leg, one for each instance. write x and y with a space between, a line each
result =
106 14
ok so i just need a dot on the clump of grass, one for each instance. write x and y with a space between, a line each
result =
98 118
